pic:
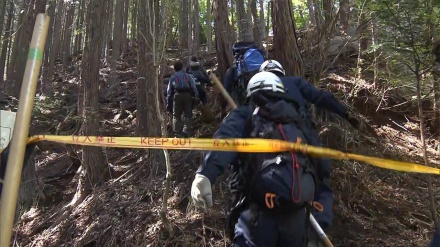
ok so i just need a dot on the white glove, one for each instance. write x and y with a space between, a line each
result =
201 192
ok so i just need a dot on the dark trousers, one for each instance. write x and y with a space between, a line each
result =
268 230
202 93
183 104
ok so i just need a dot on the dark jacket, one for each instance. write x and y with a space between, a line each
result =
199 73
233 126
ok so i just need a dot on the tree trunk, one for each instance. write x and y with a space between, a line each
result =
196 29
183 26
79 27
134 11
257 25
108 33
48 46
67 40
223 36
208 26
345 14
94 165
7 39
436 86
262 27
124 26
244 30
327 6
190 29
55 44
432 206
2 17
147 110
116 43
286 49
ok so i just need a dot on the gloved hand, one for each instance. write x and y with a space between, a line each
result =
201 192
354 121
170 108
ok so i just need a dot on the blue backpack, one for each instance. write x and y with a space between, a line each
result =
181 82
248 59
277 182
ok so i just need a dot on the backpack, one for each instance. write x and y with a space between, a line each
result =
181 82
276 182
248 59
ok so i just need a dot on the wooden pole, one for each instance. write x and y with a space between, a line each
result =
21 129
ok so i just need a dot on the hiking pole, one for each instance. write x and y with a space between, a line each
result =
320 232
223 91
21 129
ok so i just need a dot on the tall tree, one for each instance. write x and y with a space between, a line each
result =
183 25
94 166
116 44
223 36
2 15
286 49
208 26
148 83
67 37
79 27
263 26
56 41
196 28
258 37
244 32
7 39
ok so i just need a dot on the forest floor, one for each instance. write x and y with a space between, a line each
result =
373 206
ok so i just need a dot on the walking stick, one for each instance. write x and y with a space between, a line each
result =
320 232
315 224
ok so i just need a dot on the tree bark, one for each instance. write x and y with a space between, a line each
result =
116 42
196 28
223 36
244 30
263 26
345 14
2 16
134 11
147 109
55 44
208 26
7 39
79 26
67 40
286 49
94 165
257 25
183 26
124 26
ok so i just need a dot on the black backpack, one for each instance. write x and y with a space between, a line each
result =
248 59
276 182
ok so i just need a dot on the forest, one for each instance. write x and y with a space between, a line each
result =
105 70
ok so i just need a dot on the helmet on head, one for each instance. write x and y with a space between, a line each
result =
266 81
272 66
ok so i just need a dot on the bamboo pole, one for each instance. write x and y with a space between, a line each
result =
223 91
21 129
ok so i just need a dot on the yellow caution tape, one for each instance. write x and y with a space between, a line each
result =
237 145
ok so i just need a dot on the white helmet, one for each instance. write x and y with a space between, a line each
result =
272 66
264 81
